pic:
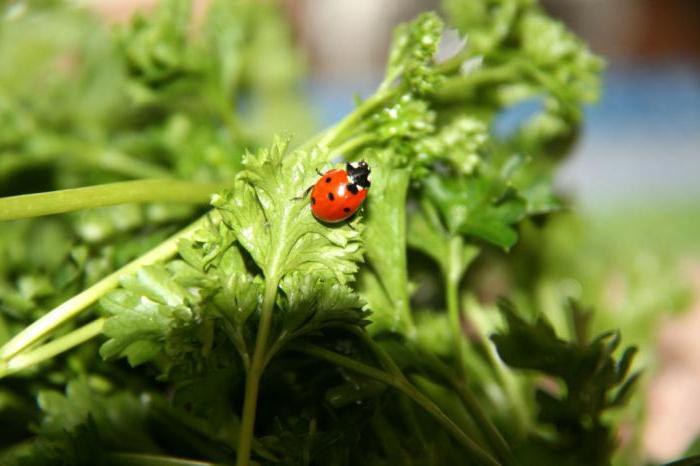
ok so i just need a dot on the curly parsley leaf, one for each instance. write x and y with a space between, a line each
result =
308 303
267 211
145 312
594 381
118 416
156 48
554 50
482 207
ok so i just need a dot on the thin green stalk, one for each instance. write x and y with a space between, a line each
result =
459 83
51 349
383 357
75 150
412 420
68 200
353 144
308 444
123 164
504 375
521 416
453 64
252 383
401 384
42 327
141 459
456 265
496 441
458 259
337 132
172 416
273 271
451 296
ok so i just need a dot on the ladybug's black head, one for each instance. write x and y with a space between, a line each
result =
359 174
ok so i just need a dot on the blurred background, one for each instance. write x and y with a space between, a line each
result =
635 173
642 141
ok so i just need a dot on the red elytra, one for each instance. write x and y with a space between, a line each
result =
339 193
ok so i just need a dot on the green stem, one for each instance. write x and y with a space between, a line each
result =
51 349
520 420
123 164
496 441
141 459
42 327
454 63
68 200
459 84
353 144
458 259
337 132
257 366
54 147
384 359
401 384
521 416
454 270
202 428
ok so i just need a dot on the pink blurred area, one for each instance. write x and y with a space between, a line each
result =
673 404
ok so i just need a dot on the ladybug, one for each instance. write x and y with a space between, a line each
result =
339 193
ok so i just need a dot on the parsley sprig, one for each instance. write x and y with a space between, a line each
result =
228 306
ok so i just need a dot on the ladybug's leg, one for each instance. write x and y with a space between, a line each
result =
306 193
319 172
349 219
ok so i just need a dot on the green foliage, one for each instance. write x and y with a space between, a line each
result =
482 207
78 425
310 302
386 280
594 381
413 49
152 307
186 314
263 335
274 224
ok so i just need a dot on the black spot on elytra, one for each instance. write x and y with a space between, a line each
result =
313 200
331 197
352 188
346 209
328 180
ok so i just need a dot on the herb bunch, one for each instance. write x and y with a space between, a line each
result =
256 334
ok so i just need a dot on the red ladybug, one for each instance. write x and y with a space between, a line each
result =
339 193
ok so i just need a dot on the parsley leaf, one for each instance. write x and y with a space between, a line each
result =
276 227
594 382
